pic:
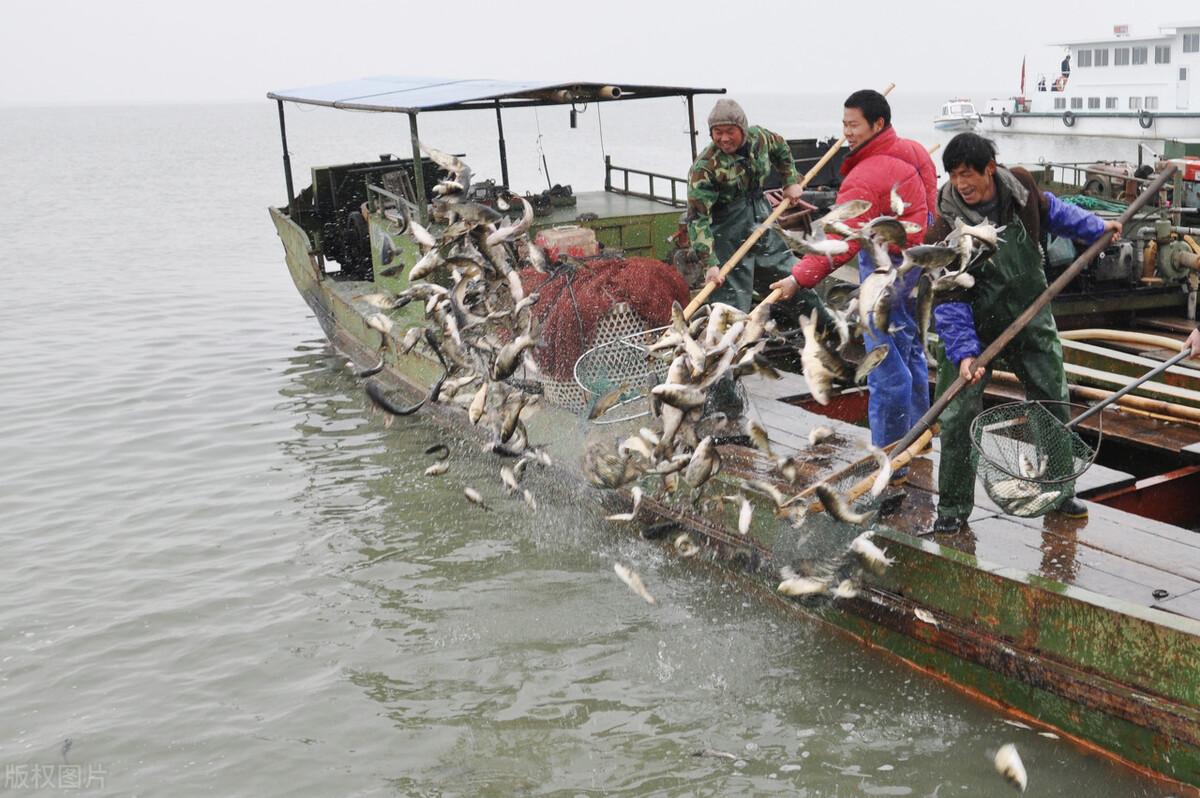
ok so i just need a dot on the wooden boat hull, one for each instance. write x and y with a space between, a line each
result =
1113 675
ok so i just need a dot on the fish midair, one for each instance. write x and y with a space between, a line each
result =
1008 764
630 577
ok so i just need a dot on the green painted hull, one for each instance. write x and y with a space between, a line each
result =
1120 678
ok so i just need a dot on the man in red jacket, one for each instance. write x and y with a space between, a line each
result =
878 161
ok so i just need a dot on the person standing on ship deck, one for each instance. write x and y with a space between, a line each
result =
1006 284
726 204
878 161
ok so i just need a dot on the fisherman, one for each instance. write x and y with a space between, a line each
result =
725 205
967 320
878 161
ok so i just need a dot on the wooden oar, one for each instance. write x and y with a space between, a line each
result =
758 232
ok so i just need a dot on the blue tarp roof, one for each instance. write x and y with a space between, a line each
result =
411 95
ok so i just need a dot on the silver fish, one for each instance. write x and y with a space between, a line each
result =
630 577
474 498
844 212
818 435
509 357
758 436
704 463
873 558
607 401
846 589
513 230
437 469
897 203
509 479
745 516
836 506
1008 764
530 501
682 397
803 586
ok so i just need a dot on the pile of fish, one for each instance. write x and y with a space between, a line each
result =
943 267
479 321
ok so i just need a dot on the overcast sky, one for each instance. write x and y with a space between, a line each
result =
121 51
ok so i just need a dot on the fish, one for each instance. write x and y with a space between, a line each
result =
509 479
607 401
885 471
985 232
380 322
379 397
802 245
638 445
803 586
770 490
636 492
681 397
630 577
530 501
685 546
875 297
1032 467
379 301
450 163
704 463
758 436
836 506
437 469
520 227
927 257
846 589
411 337
873 558
370 371
897 203
478 403
813 361
425 266
888 230
1008 764
924 313
844 212
715 754
925 616
439 450
870 362
421 235
745 516
509 356
474 497
818 435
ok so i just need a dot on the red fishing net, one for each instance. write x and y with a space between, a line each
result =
573 299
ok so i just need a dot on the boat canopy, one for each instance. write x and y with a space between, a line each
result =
412 95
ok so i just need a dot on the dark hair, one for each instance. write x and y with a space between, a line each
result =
872 104
971 149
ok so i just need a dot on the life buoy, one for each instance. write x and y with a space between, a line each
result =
1006 118
1068 119
1145 119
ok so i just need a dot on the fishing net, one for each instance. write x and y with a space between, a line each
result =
1027 458
583 306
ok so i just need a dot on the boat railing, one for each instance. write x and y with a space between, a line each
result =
677 186
1078 173
389 204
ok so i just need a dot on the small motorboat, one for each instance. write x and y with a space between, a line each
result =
957 114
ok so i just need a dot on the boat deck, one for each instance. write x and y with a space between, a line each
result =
606 205
1112 553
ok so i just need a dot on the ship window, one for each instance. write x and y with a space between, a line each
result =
1060 103
1162 55
1191 42
1100 57
1093 102
1183 73
1085 58
1121 56
1135 103
1076 102
1110 103
1139 55
1151 103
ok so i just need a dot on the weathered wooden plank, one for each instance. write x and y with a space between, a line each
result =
1186 604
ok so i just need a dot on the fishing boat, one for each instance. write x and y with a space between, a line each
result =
957 115
1118 86
1091 629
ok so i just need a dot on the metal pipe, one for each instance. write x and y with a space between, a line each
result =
503 151
418 170
692 123
287 159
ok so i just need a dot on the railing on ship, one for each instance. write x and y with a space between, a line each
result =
677 186
1092 178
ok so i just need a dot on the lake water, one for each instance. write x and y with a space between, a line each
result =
224 576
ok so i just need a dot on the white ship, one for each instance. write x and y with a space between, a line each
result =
1122 86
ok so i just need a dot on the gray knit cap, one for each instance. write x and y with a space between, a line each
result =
727 112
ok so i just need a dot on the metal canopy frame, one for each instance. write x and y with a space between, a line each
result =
412 96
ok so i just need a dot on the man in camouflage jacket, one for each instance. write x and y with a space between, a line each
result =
725 204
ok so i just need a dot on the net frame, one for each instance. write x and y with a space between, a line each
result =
1002 434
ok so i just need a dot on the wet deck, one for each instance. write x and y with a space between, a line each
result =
1111 553
606 205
